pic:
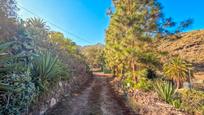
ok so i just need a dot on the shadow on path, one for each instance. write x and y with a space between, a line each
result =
97 98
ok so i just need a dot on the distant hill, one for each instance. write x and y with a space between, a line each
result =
189 46
95 45
93 55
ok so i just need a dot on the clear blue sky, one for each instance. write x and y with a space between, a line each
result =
87 18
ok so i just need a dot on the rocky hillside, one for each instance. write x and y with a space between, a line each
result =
189 46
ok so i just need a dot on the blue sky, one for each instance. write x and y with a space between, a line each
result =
87 18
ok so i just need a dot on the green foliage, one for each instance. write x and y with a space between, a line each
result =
150 59
142 82
24 73
192 100
94 55
58 40
4 57
38 30
16 88
165 90
19 95
176 103
177 69
46 68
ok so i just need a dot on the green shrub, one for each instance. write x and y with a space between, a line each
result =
16 89
176 103
192 100
143 83
6 59
18 95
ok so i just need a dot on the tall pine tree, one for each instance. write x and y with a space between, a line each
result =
129 38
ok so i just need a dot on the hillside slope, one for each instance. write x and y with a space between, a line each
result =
189 46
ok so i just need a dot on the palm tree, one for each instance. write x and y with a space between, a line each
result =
39 31
37 22
177 70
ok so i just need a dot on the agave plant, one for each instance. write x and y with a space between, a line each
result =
165 90
45 69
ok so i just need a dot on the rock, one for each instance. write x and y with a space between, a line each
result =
187 85
53 102
42 110
60 84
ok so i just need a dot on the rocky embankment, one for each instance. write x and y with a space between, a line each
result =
146 103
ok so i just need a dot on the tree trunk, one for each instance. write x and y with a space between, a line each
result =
133 72
121 72
177 85
114 72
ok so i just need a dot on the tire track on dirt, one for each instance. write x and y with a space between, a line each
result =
96 99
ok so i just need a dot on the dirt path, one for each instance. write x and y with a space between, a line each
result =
96 99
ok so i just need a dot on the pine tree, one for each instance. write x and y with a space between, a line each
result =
129 38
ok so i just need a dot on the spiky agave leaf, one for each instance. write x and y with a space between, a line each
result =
5 87
5 46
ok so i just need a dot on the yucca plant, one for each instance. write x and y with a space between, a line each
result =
165 90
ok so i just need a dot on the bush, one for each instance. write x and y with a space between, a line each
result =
16 88
19 94
176 103
142 83
192 100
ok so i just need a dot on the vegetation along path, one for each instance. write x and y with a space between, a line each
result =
95 99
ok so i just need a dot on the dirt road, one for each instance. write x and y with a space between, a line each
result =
97 98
